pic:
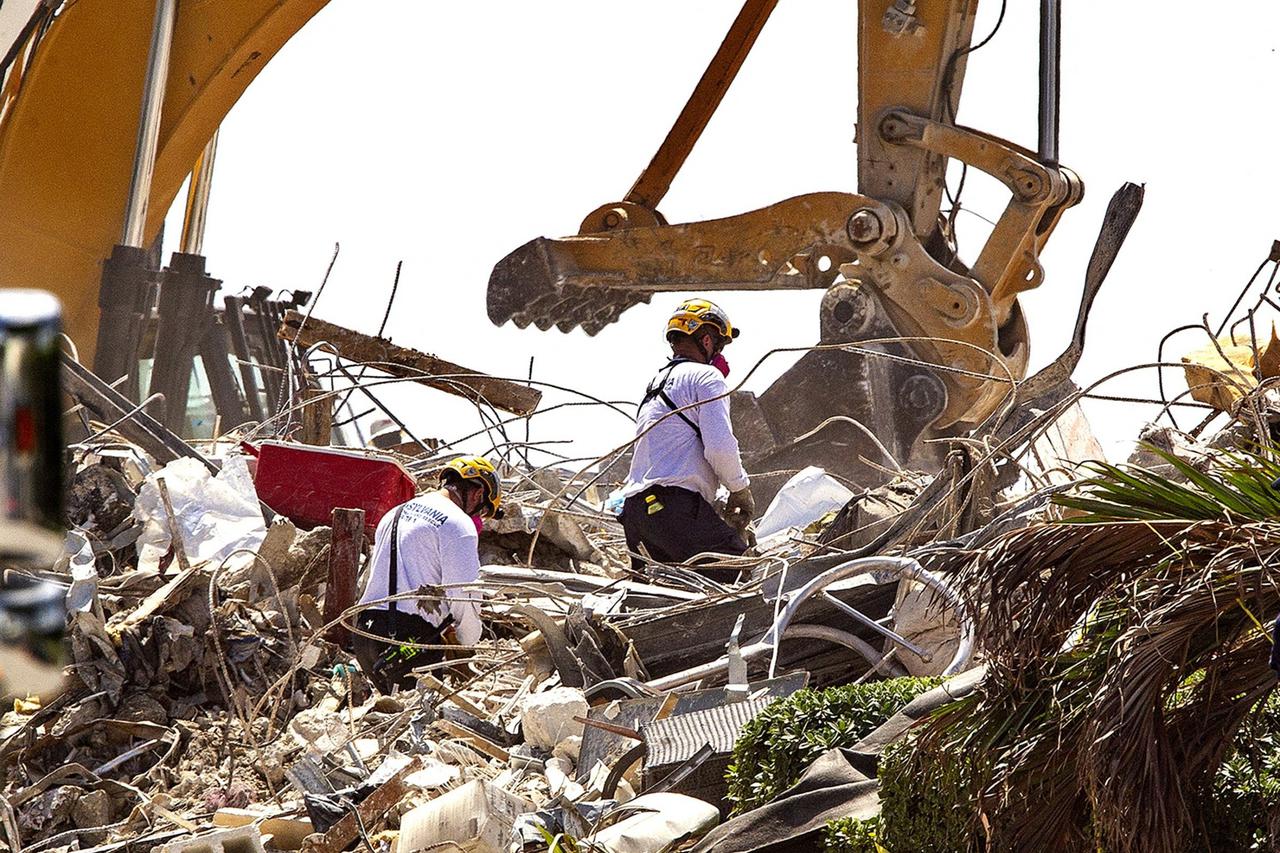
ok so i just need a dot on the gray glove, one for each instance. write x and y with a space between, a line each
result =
740 509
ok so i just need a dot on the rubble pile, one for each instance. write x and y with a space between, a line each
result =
209 689
213 701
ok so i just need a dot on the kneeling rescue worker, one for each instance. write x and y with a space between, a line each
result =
685 448
427 541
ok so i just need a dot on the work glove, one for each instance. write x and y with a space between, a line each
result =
740 509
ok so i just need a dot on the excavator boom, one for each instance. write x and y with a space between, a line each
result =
70 98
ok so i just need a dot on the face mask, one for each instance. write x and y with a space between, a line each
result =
721 364
479 523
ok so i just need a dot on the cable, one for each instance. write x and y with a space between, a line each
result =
949 109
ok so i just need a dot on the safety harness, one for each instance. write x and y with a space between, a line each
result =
407 624
658 389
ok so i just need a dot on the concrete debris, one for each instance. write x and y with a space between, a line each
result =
286 833
548 718
476 817
213 682
246 839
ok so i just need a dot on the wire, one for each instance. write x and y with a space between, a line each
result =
950 107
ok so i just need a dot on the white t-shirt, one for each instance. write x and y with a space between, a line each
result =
671 454
437 545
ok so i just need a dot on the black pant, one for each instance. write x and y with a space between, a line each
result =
389 666
674 524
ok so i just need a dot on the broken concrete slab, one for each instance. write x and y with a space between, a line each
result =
477 817
548 717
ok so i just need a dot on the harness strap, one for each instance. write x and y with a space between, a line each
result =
660 391
393 581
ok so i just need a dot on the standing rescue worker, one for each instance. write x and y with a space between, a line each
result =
428 541
685 448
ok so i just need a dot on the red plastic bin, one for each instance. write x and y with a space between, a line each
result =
306 484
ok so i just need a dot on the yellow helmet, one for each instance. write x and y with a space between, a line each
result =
480 469
692 314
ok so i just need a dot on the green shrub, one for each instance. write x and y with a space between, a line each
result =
777 746
1243 812
851 835
926 802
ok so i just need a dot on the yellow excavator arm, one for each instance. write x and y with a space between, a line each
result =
885 255
69 107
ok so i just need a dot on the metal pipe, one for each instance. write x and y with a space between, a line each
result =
828 634
904 568
144 158
889 633
197 209
1050 71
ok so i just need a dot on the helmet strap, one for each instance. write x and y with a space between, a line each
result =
459 489
697 336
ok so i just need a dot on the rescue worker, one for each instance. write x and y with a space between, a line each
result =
681 459
428 541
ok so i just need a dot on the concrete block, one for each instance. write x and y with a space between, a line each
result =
547 717
241 839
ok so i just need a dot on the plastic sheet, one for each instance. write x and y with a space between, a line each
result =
805 498
216 515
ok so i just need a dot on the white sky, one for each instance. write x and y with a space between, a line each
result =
446 135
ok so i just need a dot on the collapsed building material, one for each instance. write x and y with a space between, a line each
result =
126 417
184 312
657 822
372 807
244 839
477 817
387 357
1225 370
287 833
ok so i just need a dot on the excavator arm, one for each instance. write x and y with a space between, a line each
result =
883 255
70 97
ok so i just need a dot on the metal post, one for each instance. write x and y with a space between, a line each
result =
1050 70
126 275
193 220
185 314
222 381
144 158
233 316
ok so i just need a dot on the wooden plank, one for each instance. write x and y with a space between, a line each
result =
345 545
481 743
316 415
389 358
